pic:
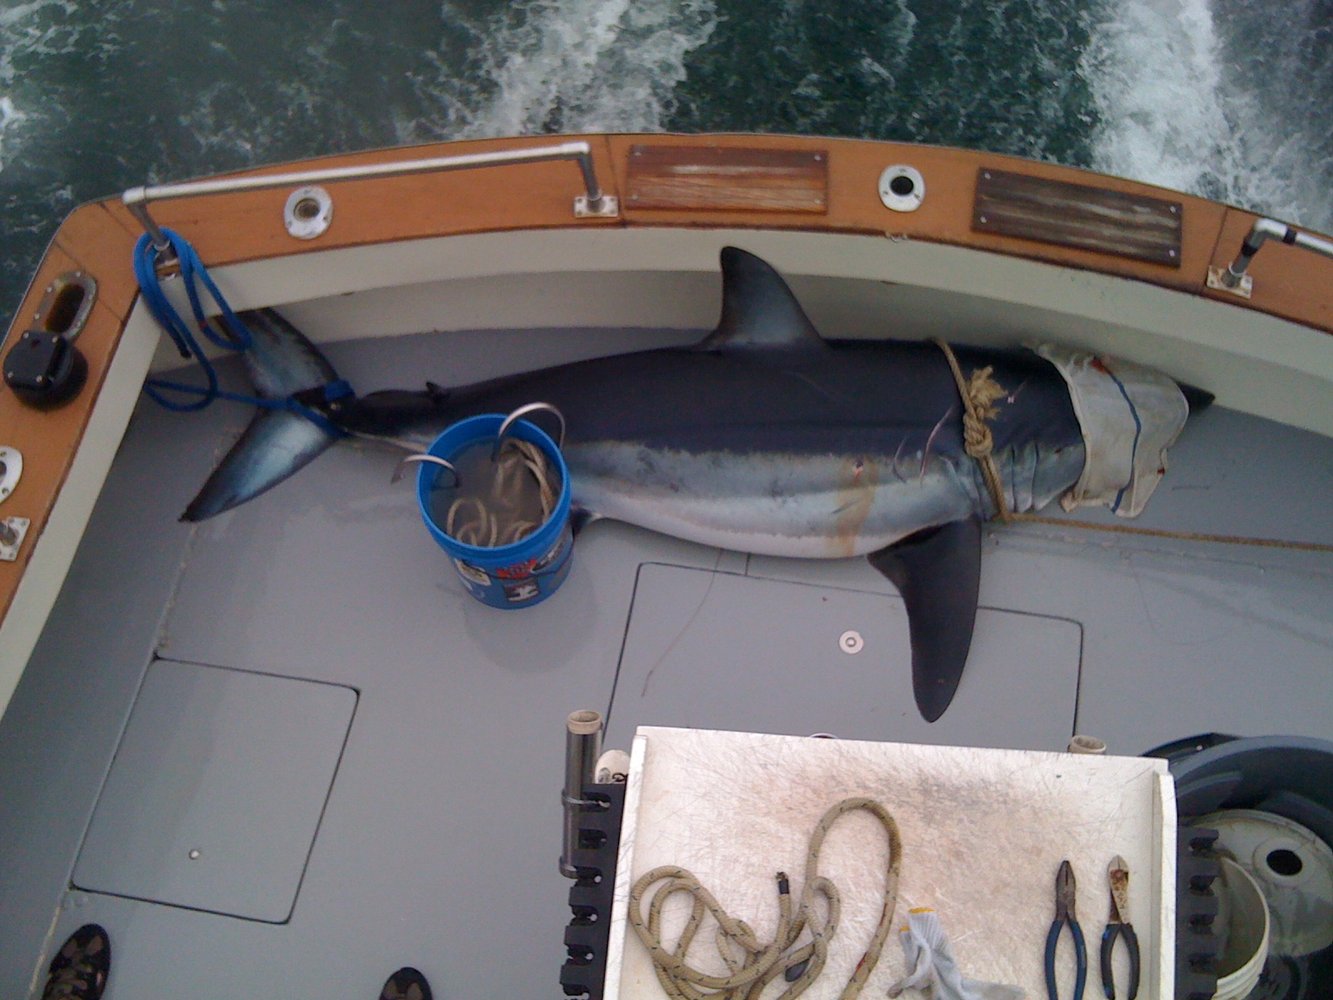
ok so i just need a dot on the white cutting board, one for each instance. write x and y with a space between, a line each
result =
983 833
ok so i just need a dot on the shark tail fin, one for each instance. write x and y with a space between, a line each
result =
283 365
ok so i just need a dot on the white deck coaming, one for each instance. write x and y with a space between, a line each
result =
641 276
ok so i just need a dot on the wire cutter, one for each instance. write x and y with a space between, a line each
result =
1117 925
1064 914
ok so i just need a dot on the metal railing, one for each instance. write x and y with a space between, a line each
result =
593 203
1233 277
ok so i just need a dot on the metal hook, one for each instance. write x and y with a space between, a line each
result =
521 411
433 459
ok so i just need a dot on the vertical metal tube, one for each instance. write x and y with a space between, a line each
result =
135 200
583 745
590 181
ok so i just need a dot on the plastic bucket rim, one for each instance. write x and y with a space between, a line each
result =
1240 982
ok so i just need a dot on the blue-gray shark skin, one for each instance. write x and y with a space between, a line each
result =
763 438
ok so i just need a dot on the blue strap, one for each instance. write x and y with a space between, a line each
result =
233 335
291 404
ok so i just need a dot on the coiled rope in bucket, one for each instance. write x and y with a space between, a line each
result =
474 521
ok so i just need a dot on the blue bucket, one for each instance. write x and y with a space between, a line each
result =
521 573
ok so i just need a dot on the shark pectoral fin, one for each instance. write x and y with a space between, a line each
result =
938 573
275 445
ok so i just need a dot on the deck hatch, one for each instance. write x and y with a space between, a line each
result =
216 791
754 654
728 179
1078 215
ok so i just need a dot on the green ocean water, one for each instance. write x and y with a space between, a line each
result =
1226 98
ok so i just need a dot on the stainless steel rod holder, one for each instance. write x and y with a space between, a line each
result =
583 745
594 202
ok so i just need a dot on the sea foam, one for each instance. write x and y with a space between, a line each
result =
1184 101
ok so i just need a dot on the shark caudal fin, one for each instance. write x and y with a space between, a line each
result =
938 573
281 362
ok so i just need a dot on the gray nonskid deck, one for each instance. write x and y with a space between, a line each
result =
437 842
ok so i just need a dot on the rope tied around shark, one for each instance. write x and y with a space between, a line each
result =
979 394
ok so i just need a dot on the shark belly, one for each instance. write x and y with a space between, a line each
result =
818 506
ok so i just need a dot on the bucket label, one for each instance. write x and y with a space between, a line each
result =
522 583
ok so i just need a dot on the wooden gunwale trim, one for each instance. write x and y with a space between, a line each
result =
246 226
242 227
48 439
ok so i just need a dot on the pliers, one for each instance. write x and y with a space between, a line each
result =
1064 914
1117 925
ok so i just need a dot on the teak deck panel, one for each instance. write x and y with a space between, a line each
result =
821 185
708 178
1078 215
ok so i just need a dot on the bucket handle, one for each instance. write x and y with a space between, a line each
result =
523 411
433 459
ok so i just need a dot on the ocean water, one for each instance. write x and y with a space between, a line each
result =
1225 98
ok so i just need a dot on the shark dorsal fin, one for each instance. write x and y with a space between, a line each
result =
758 309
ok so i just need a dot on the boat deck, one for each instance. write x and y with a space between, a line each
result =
368 762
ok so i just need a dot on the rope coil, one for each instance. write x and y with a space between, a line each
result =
483 528
751 964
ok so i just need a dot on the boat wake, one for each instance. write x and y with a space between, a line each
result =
1220 98
564 66
1217 97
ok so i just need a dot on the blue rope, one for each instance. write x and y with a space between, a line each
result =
233 335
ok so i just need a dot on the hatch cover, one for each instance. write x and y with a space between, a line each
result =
724 651
217 790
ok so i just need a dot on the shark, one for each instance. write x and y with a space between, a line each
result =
764 437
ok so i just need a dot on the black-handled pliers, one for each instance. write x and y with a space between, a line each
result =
1118 925
1064 914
